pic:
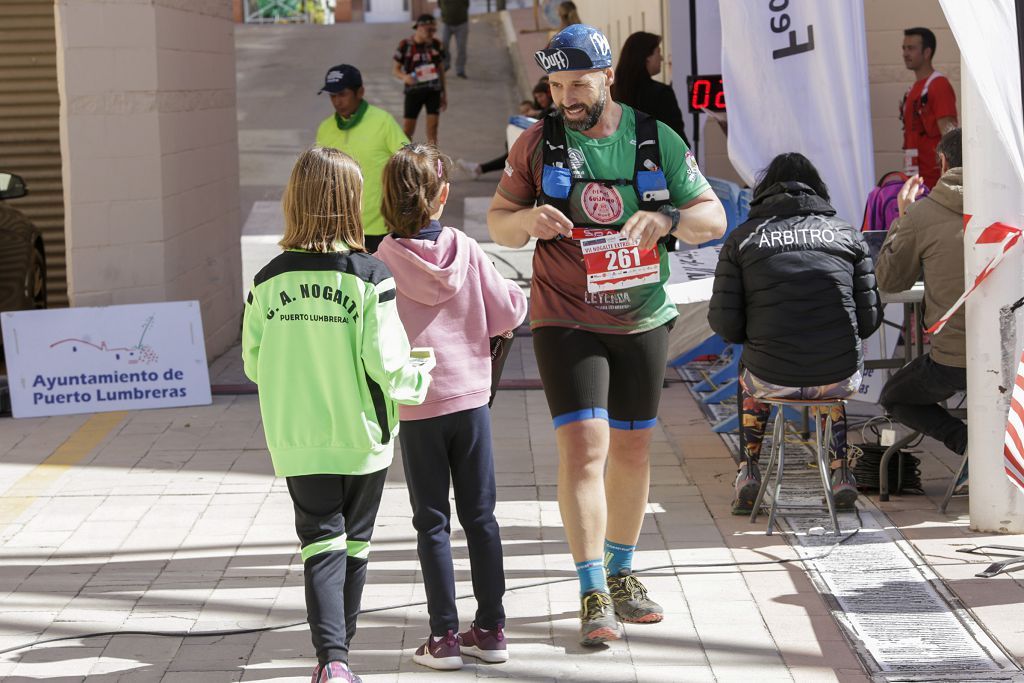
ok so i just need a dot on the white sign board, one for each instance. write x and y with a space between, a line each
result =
90 360
691 275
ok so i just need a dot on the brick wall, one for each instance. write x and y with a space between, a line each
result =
150 156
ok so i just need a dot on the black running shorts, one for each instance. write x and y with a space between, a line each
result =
616 377
417 99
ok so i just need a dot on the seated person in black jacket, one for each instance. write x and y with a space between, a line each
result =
795 285
639 60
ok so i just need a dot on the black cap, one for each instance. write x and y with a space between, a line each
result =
342 77
425 19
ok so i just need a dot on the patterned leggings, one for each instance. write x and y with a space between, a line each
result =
754 413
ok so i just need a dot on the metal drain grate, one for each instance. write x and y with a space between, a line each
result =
902 620
899 614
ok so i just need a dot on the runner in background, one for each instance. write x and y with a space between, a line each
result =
419 64
599 311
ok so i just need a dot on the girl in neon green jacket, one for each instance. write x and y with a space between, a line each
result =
322 338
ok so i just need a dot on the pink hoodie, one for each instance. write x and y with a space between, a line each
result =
452 298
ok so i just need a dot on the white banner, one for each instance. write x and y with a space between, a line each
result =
91 360
796 80
986 33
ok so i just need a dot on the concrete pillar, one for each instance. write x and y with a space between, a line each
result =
992 192
150 156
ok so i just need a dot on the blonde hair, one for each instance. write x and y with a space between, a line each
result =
412 181
322 202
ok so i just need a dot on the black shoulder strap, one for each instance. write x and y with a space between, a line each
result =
648 154
555 153
647 149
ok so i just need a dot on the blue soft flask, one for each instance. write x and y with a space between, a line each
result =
557 182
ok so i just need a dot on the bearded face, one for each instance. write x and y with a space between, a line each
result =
581 116
580 96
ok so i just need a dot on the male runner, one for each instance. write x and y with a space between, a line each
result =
419 64
599 312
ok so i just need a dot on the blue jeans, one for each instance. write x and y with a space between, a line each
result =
912 396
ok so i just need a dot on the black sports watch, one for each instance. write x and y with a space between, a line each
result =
673 213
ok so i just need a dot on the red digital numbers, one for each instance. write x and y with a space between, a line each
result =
706 93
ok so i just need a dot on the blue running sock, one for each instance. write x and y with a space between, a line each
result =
591 573
617 557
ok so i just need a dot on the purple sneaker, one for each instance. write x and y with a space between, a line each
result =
487 646
443 654
334 671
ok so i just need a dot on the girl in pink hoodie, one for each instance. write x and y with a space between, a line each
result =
452 299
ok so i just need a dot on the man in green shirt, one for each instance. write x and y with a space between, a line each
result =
366 133
599 185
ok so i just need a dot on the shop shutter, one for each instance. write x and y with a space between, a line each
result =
30 126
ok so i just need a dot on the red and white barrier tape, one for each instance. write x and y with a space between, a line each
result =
997 233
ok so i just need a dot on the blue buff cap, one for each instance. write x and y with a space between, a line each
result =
575 48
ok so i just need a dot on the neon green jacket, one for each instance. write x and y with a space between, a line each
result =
371 142
322 339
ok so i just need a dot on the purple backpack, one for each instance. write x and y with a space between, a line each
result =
882 208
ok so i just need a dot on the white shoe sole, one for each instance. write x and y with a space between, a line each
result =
439 663
489 656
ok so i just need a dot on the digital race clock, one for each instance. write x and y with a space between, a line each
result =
705 93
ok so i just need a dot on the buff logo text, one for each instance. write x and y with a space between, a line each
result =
556 60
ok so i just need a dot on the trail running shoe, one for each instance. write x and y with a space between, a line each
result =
844 487
444 654
598 623
748 482
334 671
488 646
631 602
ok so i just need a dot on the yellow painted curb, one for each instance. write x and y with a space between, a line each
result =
39 480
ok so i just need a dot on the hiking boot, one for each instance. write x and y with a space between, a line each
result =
844 487
334 671
631 602
444 654
748 483
597 619
487 646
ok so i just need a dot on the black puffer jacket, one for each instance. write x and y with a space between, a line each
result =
796 286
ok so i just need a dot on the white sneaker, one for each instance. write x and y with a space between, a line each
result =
471 168
443 654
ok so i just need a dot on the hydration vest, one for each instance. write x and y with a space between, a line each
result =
558 180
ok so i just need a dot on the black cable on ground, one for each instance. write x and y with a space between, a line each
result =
279 627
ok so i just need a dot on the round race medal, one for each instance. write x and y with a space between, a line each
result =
601 204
